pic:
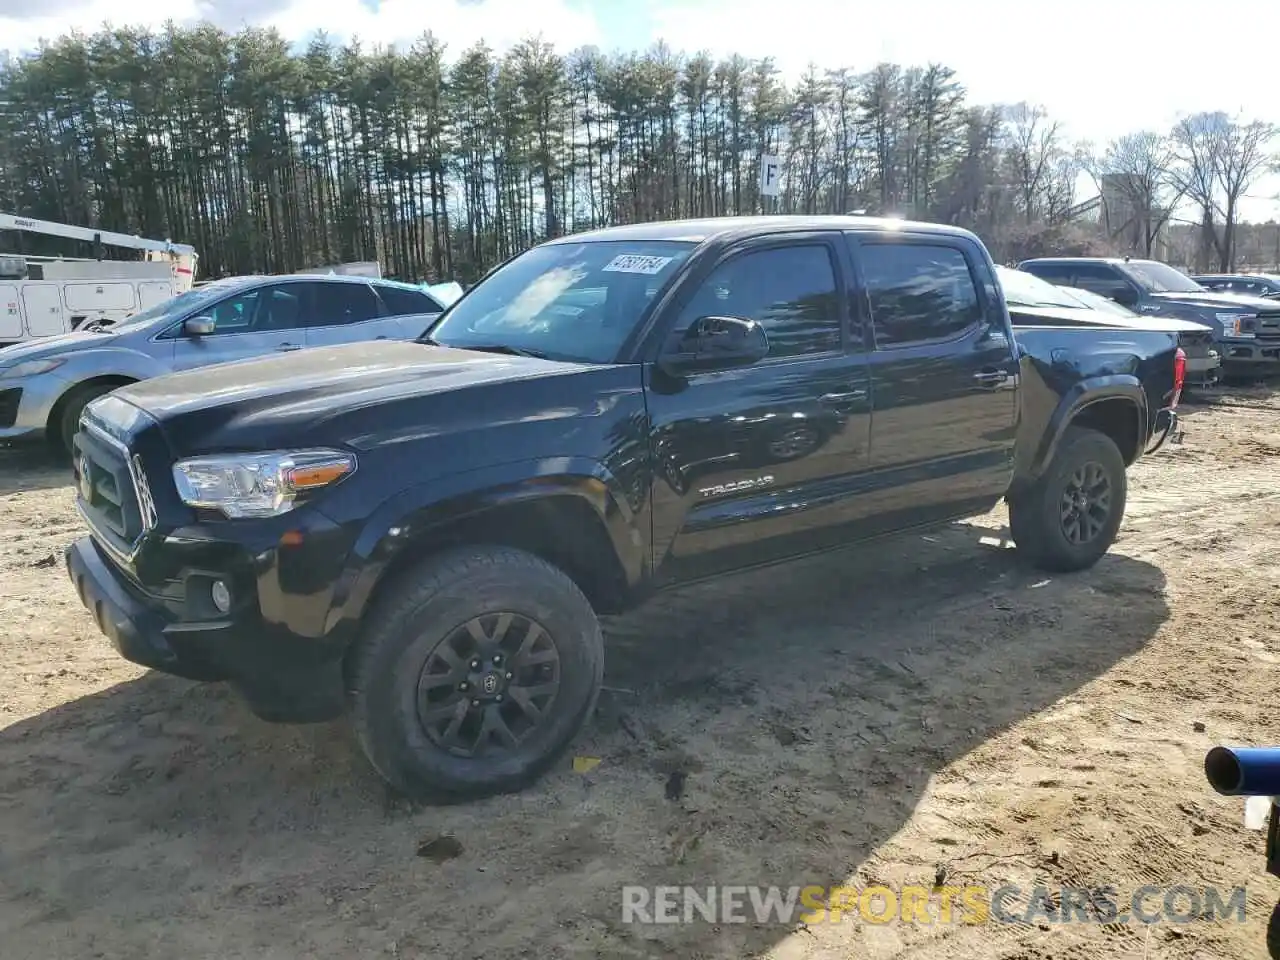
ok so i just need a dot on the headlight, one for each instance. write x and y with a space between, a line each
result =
31 368
1232 324
258 484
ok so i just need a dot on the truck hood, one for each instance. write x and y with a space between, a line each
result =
1084 317
275 399
46 347
1239 301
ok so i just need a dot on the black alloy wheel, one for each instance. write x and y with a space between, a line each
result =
487 686
1086 503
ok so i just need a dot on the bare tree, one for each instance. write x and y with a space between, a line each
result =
1138 187
1198 142
1244 155
1032 148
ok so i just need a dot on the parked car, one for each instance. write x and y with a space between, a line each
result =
44 385
1033 302
1250 284
426 532
1246 329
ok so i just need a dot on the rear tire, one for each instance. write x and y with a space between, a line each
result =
487 649
1068 519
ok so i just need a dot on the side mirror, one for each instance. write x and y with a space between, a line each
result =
717 343
1125 296
198 326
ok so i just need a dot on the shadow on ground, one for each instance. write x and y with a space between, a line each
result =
30 467
807 707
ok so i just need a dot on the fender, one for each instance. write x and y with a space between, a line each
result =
1091 390
413 513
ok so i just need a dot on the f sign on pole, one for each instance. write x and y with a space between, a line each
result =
771 179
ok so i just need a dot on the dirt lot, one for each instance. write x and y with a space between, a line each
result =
857 718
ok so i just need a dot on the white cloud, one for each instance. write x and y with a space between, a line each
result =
21 34
1102 68
501 23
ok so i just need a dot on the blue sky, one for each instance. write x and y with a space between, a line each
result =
1101 67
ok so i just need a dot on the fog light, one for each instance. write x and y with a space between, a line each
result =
220 594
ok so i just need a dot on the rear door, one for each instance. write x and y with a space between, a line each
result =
413 309
250 323
943 379
347 311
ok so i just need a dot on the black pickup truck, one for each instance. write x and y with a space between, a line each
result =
425 532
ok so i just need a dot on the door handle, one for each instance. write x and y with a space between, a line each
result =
286 347
991 376
851 397
382 336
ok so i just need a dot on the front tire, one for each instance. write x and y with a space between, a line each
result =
67 421
1068 519
474 674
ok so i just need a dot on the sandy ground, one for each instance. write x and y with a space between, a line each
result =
854 719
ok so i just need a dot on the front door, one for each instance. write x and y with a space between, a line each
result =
252 323
756 463
943 379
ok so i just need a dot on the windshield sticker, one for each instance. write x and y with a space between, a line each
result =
634 263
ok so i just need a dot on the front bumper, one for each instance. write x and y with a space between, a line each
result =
285 677
1250 355
26 405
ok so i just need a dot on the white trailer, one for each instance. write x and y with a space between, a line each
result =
47 296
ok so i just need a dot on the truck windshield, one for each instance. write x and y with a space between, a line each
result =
1022 289
564 301
1161 278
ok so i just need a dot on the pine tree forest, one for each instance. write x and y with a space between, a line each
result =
272 158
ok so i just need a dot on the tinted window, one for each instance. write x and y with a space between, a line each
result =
1053 272
1100 279
260 310
403 303
280 309
790 291
918 291
341 303
235 314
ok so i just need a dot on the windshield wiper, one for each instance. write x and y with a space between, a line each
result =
503 348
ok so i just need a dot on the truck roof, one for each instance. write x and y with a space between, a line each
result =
722 228
1116 260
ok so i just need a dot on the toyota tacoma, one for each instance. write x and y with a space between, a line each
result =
424 533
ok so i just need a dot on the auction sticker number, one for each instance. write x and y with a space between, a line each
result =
634 263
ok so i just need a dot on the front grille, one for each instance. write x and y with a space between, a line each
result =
1200 340
9 400
106 491
1268 326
